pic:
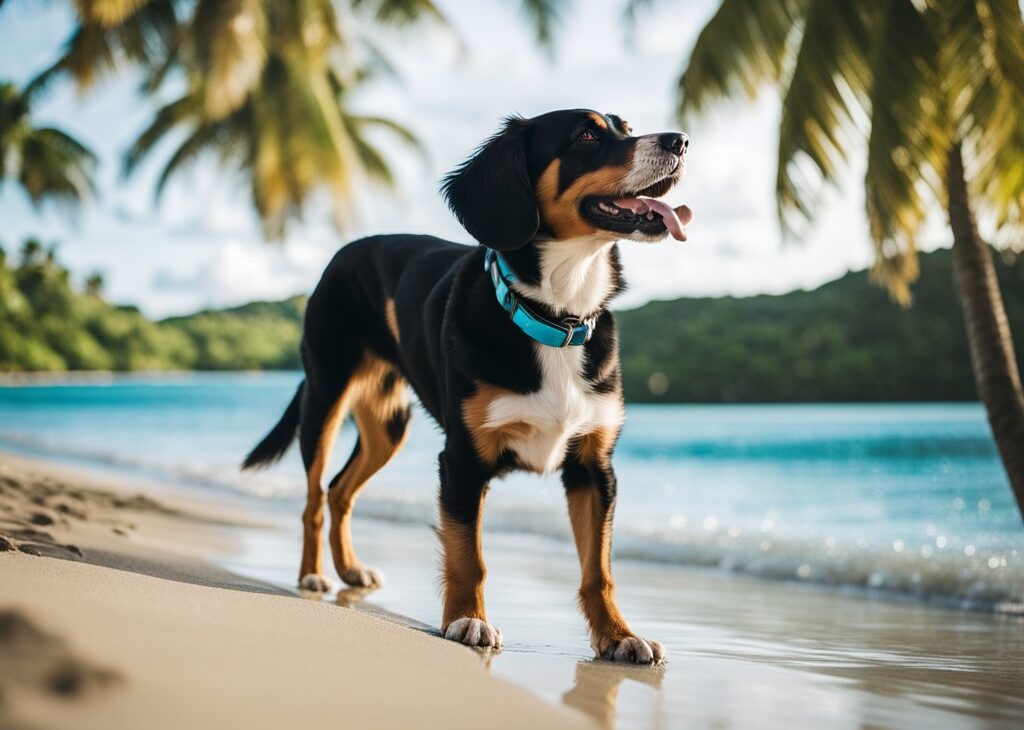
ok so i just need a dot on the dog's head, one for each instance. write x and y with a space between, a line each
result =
568 174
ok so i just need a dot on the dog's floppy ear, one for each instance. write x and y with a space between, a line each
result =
491 194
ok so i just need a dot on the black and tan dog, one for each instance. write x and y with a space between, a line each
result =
509 346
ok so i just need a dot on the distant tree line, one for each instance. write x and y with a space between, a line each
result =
845 341
47 323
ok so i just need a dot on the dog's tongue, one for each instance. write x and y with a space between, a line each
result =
675 220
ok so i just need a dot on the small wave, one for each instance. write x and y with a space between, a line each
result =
986 579
195 473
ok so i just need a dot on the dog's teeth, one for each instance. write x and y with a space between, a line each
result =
650 215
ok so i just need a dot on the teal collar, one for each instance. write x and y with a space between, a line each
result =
570 331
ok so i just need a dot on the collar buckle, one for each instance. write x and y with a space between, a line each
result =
570 324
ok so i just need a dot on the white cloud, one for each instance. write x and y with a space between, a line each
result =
239 271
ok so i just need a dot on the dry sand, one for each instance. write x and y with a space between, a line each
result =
110 617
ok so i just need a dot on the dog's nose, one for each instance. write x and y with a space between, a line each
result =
675 142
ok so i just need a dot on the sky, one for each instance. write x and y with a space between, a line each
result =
200 246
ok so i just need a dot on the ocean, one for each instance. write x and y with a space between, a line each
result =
902 501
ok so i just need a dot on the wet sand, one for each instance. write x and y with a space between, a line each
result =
742 653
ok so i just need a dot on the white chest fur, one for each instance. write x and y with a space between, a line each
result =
564 407
575 278
575 275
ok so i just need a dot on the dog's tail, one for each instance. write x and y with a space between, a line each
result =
274 444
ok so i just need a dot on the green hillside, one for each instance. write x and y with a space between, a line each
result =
845 341
255 336
48 324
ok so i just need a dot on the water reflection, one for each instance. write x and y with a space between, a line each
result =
596 687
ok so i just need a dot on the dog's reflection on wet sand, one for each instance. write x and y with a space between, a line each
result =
596 686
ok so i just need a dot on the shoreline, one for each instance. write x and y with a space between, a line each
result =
148 631
737 646
866 573
56 378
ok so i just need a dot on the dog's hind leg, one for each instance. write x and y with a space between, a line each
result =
321 417
380 408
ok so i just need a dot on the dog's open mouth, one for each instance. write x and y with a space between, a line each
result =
639 212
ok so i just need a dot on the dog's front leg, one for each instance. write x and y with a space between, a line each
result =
590 490
463 487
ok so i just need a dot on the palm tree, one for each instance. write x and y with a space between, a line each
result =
31 252
49 164
268 87
94 283
936 90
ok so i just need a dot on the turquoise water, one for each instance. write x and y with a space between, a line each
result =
905 500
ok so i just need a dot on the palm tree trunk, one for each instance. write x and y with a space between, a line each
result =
988 331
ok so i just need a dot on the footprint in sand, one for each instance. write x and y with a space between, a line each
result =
37 662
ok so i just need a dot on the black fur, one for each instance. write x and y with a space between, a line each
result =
453 334
398 423
491 193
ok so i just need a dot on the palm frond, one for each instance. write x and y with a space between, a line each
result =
55 167
167 118
743 46
229 40
49 163
69 147
201 139
372 161
401 12
1004 39
909 140
96 47
400 131
826 93
544 17
108 13
995 136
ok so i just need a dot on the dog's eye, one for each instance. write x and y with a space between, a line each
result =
586 136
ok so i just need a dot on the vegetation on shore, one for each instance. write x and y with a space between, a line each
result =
49 324
845 341
829 344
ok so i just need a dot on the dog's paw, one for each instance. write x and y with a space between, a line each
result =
633 650
363 577
474 632
315 583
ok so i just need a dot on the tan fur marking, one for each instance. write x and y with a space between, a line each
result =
598 121
313 516
595 447
490 441
371 411
464 570
392 318
561 212
591 527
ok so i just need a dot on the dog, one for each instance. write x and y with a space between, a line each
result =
509 346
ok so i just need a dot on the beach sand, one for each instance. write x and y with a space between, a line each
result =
110 618
154 643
